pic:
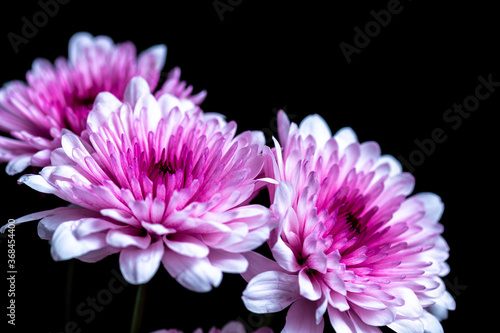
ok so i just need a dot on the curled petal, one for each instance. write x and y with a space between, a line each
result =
138 265
196 274
66 246
187 245
271 291
301 318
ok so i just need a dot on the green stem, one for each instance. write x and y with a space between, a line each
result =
69 289
138 308
268 319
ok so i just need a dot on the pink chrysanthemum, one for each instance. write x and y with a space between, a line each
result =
350 242
157 181
60 97
231 327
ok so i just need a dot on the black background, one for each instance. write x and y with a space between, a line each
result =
262 57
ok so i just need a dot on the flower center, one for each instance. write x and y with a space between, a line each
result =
77 112
84 102
166 168
352 222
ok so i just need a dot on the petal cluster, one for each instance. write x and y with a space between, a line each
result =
159 182
59 96
352 243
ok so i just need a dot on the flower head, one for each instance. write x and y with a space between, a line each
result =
351 242
231 327
60 96
158 181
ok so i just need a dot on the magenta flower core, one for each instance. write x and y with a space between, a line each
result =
351 243
60 96
158 181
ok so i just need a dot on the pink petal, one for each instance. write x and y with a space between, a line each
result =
433 205
411 307
321 306
52 218
138 265
51 221
442 305
89 226
70 141
196 274
150 111
315 126
77 43
345 137
375 317
37 183
136 88
120 216
157 229
285 256
228 262
301 318
97 255
104 104
431 324
271 291
335 282
41 158
361 326
309 286
168 102
154 57
339 301
404 325
365 301
187 245
257 264
233 327
341 321
125 237
264 330
66 246
393 164
283 126
283 197
253 240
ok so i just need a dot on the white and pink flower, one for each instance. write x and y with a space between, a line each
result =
60 96
352 242
157 181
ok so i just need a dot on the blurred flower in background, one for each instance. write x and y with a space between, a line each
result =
60 96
